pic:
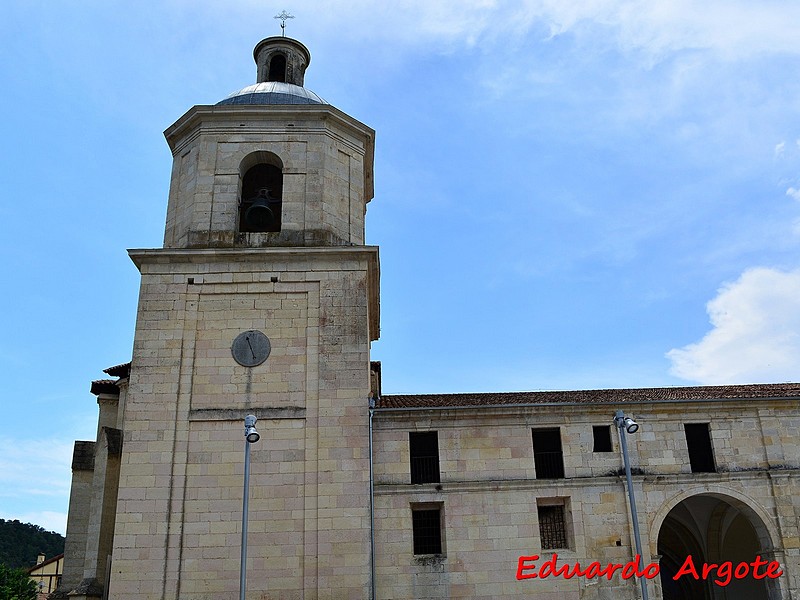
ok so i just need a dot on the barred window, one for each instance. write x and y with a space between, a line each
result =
427 529
424 451
548 460
552 527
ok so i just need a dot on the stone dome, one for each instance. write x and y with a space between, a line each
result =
273 92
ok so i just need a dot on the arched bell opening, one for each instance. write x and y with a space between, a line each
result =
260 202
712 528
277 68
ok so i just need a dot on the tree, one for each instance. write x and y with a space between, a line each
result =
16 585
21 543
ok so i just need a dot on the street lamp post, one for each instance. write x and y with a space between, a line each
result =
250 437
627 425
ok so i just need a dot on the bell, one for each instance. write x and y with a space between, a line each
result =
259 216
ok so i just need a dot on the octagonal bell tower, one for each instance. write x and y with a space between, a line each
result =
264 233
271 165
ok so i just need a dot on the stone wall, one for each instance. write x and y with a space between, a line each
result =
178 527
327 175
489 492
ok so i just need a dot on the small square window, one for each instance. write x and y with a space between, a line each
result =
426 520
602 438
553 526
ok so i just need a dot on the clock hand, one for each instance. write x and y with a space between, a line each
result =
251 346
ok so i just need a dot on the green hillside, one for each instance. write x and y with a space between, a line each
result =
21 543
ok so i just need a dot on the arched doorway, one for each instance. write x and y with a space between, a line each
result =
713 528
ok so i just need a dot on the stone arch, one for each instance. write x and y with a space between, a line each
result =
259 157
766 529
713 526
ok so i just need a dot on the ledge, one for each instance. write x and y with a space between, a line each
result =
323 254
681 479
238 414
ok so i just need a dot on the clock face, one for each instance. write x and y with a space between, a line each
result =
250 348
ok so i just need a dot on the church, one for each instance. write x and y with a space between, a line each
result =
263 302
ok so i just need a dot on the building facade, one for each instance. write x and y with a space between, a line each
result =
264 300
46 575
504 476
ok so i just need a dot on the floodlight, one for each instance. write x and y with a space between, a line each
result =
250 433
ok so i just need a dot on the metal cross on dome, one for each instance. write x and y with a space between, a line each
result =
283 16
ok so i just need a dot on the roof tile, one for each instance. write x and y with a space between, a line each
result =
609 396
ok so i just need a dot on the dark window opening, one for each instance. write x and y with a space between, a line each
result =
277 68
602 438
427 529
552 527
424 451
701 454
547 456
260 206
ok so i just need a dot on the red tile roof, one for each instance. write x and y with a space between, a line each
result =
122 370
46 562
613 396
104 386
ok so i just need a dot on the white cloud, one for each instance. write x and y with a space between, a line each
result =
780 149
732 28
35 477
755 335
793 193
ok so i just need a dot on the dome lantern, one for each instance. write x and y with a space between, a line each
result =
281 59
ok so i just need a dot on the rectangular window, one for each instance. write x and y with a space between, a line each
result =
427 528
602 438
701 454
548 460
424 451
552 524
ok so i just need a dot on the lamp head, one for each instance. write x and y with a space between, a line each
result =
250 433
631 426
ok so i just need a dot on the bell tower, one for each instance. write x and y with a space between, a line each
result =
271 165
264 240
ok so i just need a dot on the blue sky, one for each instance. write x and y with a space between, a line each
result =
568 195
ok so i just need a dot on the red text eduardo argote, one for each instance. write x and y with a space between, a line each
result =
722 573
